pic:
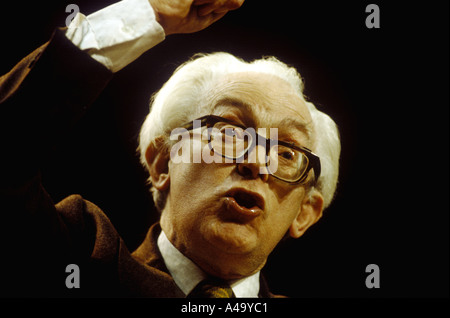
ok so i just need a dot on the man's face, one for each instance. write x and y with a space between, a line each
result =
227 217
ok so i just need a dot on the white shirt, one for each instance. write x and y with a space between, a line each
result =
118 34
187 275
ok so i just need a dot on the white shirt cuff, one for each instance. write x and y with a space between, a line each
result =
118 34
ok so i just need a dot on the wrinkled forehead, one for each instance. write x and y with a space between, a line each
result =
263 100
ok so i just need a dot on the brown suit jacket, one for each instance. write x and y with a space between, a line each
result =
40 99
139 274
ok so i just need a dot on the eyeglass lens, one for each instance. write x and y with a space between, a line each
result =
234 142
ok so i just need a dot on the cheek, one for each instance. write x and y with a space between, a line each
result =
188 166
193 177
195 186
283 210
184 179
287 196
201 170
194 197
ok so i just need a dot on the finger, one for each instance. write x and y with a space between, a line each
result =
200 2
217 16
206 9
222 6
205 21
233 4
221 10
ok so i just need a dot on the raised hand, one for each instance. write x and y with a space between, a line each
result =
188 16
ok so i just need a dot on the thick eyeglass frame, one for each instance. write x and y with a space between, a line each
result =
313 160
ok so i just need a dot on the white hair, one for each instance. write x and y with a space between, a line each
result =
182 99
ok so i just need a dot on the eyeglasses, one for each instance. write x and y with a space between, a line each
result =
235 142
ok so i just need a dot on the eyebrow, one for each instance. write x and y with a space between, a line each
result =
294 122
230 101
285 122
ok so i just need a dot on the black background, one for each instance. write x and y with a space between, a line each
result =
386 88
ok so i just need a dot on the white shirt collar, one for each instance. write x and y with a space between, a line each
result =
187 275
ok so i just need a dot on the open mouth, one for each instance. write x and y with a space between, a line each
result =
245 202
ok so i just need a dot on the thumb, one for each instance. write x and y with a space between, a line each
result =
207 20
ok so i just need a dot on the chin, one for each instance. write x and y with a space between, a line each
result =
228 238
229 250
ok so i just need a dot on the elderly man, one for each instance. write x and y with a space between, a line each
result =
268 162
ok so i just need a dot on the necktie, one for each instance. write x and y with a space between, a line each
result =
212 288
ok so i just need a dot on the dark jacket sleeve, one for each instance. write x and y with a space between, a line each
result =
40 99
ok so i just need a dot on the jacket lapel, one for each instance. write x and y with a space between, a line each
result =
156 281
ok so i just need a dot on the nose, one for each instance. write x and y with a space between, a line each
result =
254 165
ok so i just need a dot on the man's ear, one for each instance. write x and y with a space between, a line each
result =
158 161
310 212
